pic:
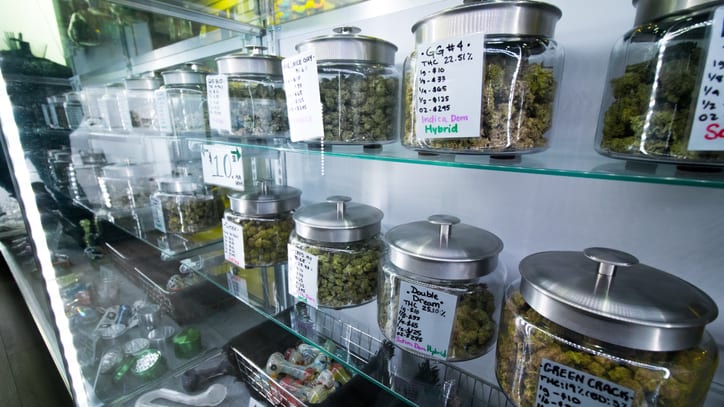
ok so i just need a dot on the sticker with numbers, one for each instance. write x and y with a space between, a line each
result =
157 213
163 116
233 234
217 96
560 385
445 106
302 276
222 165
304 106
237 285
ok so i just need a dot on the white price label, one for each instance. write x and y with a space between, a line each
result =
157 213
302 276
707 129
237 286
425 320
448 88
163 116
217 96
222 165
233 234
560 385
304 106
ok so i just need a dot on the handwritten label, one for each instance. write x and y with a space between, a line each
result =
237 286
222 165
233 235
448 86
304 106
302 276
562 386
157 213
217 95
707 129
425 319
163 115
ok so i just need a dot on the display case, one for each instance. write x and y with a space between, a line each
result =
90 272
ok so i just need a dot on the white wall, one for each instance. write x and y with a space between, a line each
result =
36 20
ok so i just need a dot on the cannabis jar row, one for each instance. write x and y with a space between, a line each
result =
185 205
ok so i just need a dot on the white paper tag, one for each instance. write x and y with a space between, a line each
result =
217 94
157 213
237 286
163 116
233 234
560 385
222 165
304 106
448 88
302 277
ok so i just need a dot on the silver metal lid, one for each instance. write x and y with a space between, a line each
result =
265 200
347 46
181 185
253 62
338 220
443 248
128 170
143 83
183 77
650 10
607 295
502 17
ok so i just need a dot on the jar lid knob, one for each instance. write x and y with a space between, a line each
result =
255 49
349 30
264 185
340 200
445 222
609 259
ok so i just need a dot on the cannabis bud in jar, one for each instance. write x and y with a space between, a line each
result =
185 205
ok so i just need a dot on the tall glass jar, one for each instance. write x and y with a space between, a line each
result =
113 110
185 205
655 102
522 66
141 103
358 85
597 328
127 186
334 253
83 178
183 97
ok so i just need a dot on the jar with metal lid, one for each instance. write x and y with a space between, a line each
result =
127 186
139 98
258 223
661 101
596 328
358 86
83 177
182 102
257 101
73 109
505 46
334 253
442 288
185 205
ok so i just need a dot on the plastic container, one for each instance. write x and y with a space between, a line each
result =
521 67
185 205
597 328
340 242
654 101
442 288
127 186
183 97
141 102
359 87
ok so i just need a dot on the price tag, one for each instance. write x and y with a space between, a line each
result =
707 129
233 234
222 166
304 106
448 88
560 385
302 276
237 286
163 116
157 213
425 319
217 95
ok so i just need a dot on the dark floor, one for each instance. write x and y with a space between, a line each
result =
28 376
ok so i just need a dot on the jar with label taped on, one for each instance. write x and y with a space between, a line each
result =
442 288
483 79
127 185
662 98
182 102
141 102
358 86
334 253
185 205
258 223
83 178
597 328
256 98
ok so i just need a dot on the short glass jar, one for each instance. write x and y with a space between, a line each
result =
522 66
183 97
141 102
597 328
442 288
341 242
655 74
127 186
185 205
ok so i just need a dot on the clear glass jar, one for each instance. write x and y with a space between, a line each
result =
127 186
113 109
637 341
83 178
185 205
441 301
522 66
141 102
653 84
73 109
59 161
58 118
358 85
265 285
343 241
184 97
91 99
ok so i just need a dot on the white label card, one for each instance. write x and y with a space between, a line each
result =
562 386
157 213
707 128
217 94
448 88
425 319
233 234
304 106
237 286
222 165
302 277
163 115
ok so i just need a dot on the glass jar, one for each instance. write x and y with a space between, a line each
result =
127 186
334 253
58 118
257 101
257 225
655 82
83 178
140 99
183 97
73 109
358 86
112 107
522 66
59 161
442 288
597 328
185 205
90 100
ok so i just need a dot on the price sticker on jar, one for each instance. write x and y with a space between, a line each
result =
424 320
222 165
217 96
302 276
560 385
304 106
448 88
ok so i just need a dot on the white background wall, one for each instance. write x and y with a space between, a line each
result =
36 20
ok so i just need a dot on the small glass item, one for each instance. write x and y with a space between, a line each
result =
73 109
127 186
442 288
598 328
187 343
183 96
141 103
185 205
